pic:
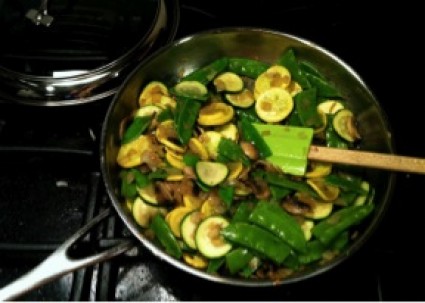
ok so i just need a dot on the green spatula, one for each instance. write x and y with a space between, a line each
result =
291 149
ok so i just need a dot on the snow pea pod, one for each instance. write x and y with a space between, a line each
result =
289 60
306 105
329 229
257 239
250 134
247 67
274 219
207 73
136 128
165 236
238 259
185 118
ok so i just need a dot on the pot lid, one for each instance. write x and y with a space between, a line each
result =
69 51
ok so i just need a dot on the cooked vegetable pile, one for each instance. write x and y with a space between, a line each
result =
206 175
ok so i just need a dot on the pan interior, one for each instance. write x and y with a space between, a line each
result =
196 51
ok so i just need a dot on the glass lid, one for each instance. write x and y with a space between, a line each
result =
67 37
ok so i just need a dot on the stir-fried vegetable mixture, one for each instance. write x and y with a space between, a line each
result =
201 180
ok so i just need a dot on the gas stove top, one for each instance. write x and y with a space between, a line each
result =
51 184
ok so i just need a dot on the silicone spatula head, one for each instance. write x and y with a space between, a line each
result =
289 145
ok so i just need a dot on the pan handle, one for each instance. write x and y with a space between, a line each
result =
60 263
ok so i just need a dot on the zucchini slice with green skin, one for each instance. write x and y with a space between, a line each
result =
228 82
344 125
144 212
189 226
209 241
211 173
148 195
243 99
330 107
191 89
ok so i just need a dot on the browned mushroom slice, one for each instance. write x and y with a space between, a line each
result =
310 207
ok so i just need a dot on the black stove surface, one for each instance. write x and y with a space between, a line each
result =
51 184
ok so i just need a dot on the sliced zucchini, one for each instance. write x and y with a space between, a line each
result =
228 82
325 191
294 88
208 238
188 227
130 154
195 260
314 208
174 159
153 90
211 140
211 173
244 99
330 107
191 89
345 126
148 110
216 113
275 76
229 131
167 135
318 169
144 212
196 147
148 194
274 105
175 217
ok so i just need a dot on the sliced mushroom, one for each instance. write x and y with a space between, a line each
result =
304 204
249 150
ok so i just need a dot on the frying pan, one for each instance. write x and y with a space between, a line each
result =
182 57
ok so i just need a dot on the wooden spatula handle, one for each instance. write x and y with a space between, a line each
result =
367 159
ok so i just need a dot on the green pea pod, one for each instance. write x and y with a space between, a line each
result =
225 192
166 114
247 67
289 61
215 264
128 189
159 174
346 183
324 88
249 114
136 128
274 219
294 118
165 236
185 118
190 159
285 182
238 259
306 105
257 239
208 72
141 180
230 151
309 68
314 252
278 193
242 212
329 229
341 241
250 134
